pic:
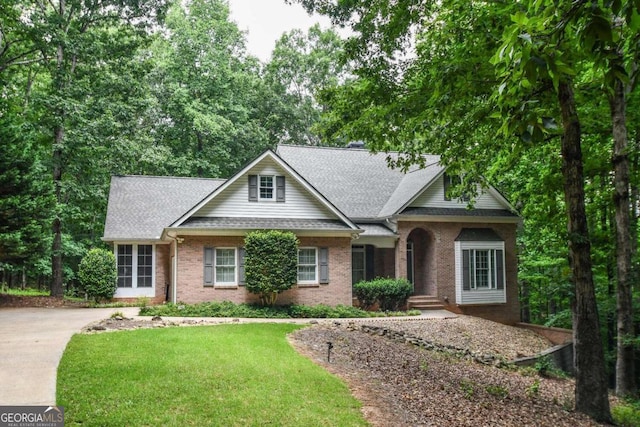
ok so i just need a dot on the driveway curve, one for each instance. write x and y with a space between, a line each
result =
32 341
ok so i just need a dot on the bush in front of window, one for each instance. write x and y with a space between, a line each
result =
389 294
97 274
271 263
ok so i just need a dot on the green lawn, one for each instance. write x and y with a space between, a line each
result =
226 375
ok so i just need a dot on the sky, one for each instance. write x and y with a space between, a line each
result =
266 20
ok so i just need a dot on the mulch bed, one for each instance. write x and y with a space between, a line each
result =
31 301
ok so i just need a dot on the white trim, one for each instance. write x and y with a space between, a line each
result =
315 280
134 290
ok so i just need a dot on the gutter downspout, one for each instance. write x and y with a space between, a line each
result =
174 268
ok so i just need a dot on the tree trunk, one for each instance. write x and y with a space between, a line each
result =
625 376
591 382
58 141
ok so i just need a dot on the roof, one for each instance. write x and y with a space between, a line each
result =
459 212
359 183
265 223
478 235
140 207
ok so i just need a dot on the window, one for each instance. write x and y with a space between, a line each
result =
454 181
135 265
266 187
482 272
225 266
307 265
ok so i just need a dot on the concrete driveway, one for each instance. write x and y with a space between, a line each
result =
32 341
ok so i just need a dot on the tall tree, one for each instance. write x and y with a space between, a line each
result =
399 105
75 38
301 66
203 84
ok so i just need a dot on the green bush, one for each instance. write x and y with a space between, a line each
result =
271 263
97 274
390 294
229 309
627 414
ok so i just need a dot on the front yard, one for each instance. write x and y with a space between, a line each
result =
226 375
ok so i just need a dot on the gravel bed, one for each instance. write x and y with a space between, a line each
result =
401 384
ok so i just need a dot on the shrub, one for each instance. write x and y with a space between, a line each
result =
271 263
390 294
97 274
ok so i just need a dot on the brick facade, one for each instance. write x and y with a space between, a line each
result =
191 288
440 236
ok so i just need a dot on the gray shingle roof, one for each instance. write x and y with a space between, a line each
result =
140 207
359 183
265 223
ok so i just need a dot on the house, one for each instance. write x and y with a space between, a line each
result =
181 239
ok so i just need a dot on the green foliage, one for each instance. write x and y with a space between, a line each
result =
627 413
390 294
534 389
271 263
229 309
97 274
497 391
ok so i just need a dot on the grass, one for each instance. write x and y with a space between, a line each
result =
26 292
229 309
226 375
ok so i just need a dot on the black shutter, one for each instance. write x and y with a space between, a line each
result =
280 188
323 261
369 258
241 279
499 269
208 266
253 188
446 180
466 270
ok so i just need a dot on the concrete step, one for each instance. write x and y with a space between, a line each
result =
424 302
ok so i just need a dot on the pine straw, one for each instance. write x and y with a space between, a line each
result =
403 385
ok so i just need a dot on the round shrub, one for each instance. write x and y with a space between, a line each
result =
97 274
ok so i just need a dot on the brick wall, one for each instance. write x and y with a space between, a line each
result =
442 235
191 287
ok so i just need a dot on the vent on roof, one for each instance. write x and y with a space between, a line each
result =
355 144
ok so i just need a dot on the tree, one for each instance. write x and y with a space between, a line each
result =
397 104
301 66
203 82
75 42
271 263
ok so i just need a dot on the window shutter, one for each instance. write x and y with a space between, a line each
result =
253 188
208 266
280 188
446 180
499 269
369 261
466 270
241 279
323 261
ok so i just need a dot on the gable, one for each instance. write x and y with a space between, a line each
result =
434 197
234 201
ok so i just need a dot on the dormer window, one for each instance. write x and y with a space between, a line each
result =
266 188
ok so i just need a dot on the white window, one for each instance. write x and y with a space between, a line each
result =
307 265
136 270
225 262
266 186
480 272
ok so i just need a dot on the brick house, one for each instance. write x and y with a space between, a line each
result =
181 239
